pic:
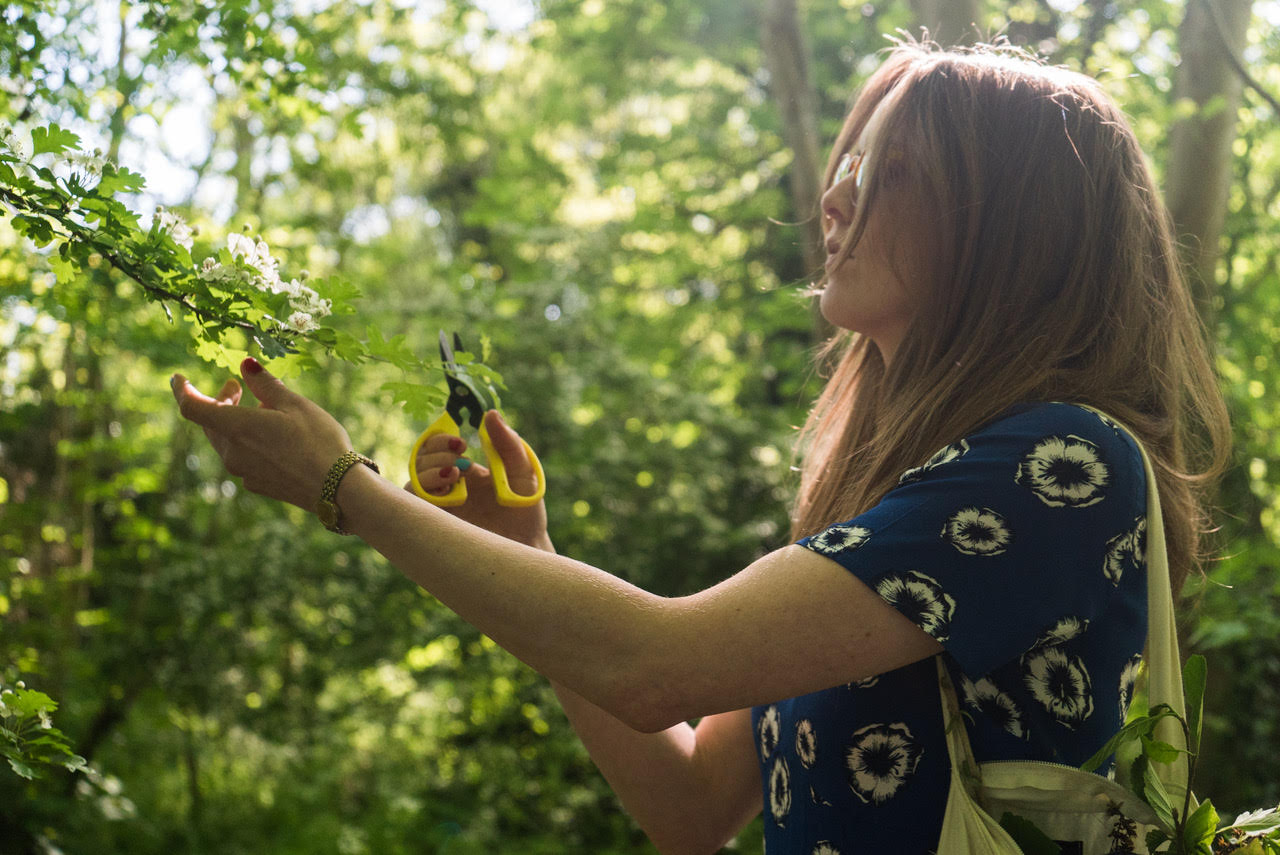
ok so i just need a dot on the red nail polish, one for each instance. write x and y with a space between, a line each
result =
446 472
455 445
251 366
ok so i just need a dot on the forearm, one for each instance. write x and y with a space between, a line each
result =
575 624
663 779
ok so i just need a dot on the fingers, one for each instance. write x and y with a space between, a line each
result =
510 447
218 414
442 443
269 391
229 394
438 465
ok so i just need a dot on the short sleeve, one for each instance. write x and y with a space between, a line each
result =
1015 536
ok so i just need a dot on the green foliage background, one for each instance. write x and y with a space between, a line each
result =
599 188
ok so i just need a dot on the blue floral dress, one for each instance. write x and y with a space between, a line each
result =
1021 548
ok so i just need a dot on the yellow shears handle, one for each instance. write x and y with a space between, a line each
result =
457 494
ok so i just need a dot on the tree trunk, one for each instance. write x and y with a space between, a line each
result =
950 22
787 57
1199 171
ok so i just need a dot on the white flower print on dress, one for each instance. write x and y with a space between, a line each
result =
879 760
1128 677
987 698
824 847
977 531
838 538
780 791
1127 551
806 743
954 451
921 599
1064 472
770 731
1064 630
1060 683
817 799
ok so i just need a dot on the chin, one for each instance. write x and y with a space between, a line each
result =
836 314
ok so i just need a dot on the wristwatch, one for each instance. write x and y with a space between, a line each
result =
327 508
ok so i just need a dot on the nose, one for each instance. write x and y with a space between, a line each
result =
837 205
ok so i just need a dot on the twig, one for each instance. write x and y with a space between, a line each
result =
86 236
1212 8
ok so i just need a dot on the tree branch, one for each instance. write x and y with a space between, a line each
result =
86 236
1212 8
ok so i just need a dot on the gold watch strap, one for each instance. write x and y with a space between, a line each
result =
329 491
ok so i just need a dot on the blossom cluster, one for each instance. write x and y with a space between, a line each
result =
10 140
259 269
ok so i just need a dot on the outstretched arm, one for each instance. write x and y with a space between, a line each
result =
690 788
650 661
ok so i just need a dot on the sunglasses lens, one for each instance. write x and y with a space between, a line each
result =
842 170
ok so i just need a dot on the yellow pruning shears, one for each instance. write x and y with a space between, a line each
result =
476 398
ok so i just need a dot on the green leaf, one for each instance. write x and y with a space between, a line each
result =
1266 819
1152 791
219 354
53 139
1194 677
1155 839
36 228
1132 731
64 269
30 702
23 770
1201 825
1159 752
1030 839
119 179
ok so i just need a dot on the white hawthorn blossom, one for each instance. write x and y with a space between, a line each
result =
261 271
301 322
977 531
87 164
175 226
10 140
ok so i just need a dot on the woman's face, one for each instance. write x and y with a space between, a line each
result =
875 291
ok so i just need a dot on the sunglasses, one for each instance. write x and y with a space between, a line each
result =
856 165
850 164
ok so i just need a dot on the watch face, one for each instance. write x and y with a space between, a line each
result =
327 511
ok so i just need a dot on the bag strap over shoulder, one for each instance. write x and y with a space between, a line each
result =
1163 671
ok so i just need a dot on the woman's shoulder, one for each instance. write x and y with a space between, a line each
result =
1037 420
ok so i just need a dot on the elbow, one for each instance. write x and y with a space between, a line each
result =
646 710
645 697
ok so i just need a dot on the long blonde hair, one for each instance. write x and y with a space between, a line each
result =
1059 281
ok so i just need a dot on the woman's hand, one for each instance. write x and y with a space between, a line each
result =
283 449
438 470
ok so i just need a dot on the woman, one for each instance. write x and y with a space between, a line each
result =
996 244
